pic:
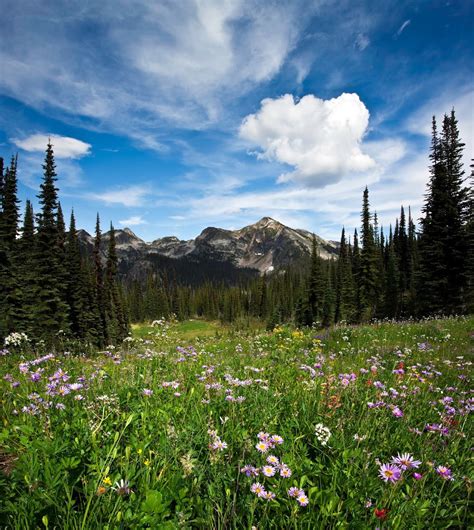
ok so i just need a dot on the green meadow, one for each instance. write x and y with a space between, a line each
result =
195 425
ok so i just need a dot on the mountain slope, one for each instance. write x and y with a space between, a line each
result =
265 246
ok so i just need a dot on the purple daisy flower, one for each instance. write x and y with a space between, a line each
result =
405 461
390 473
444 472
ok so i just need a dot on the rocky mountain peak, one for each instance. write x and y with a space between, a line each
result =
264 246
129 232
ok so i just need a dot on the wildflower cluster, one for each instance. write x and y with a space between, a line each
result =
216 443
273 468
16 339
322 434
299 495
392 472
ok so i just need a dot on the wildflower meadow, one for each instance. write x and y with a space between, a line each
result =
352 427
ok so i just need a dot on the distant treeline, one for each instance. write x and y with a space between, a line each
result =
398 273
50 289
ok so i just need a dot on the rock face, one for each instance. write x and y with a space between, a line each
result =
265 246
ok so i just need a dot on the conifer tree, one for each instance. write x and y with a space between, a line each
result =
470 246
262 296
316 287
2 187
90 317
62 278
9 278
328 299
26 265
356 271
74 282
442 245
344 296
412 265
392 282
50 310
368 263
117 321
99 285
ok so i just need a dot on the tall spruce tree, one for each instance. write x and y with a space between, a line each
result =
368 263
345 290
442 244
356 271
392 281
470 246
26 257
412 265
99 285
9 277
50 310
74 282
327 316
316 286
116 318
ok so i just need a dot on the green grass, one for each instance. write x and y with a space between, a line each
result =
60 456
189 330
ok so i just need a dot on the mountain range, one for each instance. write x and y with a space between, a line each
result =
215 254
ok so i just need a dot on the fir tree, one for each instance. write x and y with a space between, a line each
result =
412 265
262 297
50 310
344 296
442 245
316 286
368 264
26 257
356 271
470 246
329 299
392 282
74 282
99 286
116 318
9 274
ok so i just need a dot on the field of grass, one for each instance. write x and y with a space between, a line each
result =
191 425
187 330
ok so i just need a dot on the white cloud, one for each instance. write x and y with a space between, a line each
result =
157 63
321 139
403 26
129 196
387 151
362 41
134 220
63 146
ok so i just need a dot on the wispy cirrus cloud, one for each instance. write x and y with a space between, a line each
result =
402 28
134 220
173 62
135 195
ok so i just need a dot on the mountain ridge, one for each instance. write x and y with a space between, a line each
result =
265 246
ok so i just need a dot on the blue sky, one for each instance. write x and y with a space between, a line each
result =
171 116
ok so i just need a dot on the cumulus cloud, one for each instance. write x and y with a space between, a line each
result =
63 146
320 139
134 220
